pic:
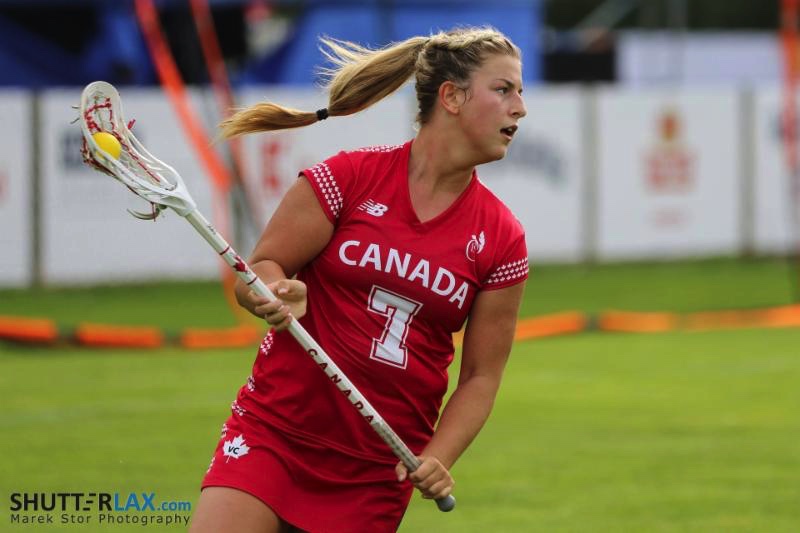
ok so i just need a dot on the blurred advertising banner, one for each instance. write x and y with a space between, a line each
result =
88 237
773 197
668 178
541 177
16 236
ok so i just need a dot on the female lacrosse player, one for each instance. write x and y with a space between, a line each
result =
382 254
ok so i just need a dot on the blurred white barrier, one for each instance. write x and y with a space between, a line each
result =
605 174
772 195
668 179
88 237
16 236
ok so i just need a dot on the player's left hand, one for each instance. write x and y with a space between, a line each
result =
431 478
290 303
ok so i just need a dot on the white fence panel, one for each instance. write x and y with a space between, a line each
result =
16 237
669 179
88 237
775 229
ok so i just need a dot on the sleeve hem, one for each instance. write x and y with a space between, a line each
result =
318 194
504 284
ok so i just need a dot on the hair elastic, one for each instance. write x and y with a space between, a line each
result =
322 114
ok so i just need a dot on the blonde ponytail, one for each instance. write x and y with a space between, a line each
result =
265 116
360 78
364 77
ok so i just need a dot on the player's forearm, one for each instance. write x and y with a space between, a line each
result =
268 271
462 418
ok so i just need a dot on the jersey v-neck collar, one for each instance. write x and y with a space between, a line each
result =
406 195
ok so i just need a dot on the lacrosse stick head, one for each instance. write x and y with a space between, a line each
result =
145 175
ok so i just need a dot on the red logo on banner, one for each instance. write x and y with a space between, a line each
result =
669 163
270 179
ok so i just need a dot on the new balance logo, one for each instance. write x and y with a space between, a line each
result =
373 208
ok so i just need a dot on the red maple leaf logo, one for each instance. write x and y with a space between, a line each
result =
240 265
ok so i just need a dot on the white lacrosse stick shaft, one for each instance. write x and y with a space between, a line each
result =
160 184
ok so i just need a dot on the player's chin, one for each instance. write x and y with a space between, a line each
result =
496 153
491 150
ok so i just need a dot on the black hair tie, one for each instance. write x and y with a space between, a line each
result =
322 114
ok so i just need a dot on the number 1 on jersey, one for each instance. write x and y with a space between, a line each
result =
399 312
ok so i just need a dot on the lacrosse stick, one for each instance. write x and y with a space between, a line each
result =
162 186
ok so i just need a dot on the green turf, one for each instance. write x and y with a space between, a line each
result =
677 432
685 286
128 421
595 432
170 305
600 432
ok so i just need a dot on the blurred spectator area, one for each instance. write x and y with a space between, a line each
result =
596 40
71 42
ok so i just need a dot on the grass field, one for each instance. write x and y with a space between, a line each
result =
595 432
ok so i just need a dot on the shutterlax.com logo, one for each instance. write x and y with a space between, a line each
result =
97 509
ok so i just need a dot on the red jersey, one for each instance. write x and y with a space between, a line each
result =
384 298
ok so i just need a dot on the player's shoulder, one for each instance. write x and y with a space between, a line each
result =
371 162
369 154
380 148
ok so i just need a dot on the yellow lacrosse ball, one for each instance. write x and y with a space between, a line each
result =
108 143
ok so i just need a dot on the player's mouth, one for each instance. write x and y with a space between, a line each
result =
509 132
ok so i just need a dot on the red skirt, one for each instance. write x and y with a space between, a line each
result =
308 485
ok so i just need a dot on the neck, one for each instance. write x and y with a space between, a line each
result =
437 173
438 162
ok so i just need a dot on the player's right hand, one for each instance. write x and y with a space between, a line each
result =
290 303
431 478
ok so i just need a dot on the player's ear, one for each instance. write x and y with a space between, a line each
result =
452 97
